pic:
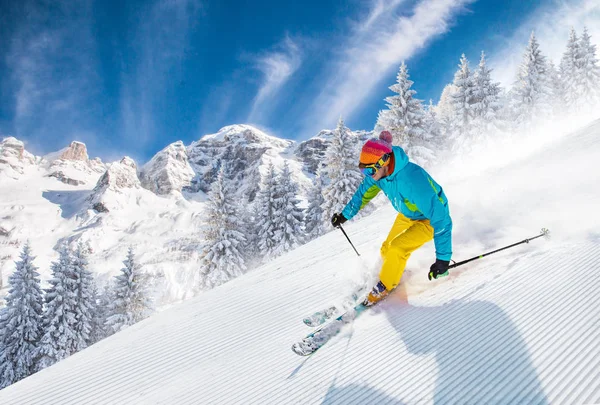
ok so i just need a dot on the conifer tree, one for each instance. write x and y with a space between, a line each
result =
571 73
406 116
289 217
85 299
486 100
267 228
462 100
314 214
405 119
251 233
342 171
221 258
590 72
21 322
532 94
130 301
253 184
444 111
433 127
60 338
102 300
383 120
556 85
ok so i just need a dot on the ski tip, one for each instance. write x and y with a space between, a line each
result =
298 350
302 350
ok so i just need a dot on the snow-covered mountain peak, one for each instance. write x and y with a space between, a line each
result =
245 134
72 165
75 151
117 178
243 149
14 157
127 161
168 170
11 142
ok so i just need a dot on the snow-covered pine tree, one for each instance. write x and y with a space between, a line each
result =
433 127
102 300
571 73
590 72
130 301
342 170
85 298
383 120
444 111
250 219
486 101
289 217
268 236
558 95
462 100
21 322
60 338
221 257
406 119
314 222
532 93
253 184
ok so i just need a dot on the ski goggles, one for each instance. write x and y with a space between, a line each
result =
371 169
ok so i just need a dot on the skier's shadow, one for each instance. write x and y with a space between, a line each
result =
481 357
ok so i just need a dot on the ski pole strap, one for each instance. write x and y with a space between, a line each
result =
545 232
349 241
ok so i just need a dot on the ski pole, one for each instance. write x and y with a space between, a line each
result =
545 232
349 241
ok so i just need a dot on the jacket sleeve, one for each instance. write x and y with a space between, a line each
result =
367 190
431 201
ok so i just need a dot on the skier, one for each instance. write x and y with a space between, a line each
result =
422 207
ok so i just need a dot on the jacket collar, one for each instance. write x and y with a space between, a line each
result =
400 162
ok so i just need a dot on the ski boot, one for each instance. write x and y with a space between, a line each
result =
378 293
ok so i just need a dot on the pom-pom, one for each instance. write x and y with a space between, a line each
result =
386 136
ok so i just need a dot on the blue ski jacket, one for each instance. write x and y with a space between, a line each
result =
412 192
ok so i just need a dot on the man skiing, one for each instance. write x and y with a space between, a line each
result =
422 207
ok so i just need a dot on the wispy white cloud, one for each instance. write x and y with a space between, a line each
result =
378 9
276 67
378 44
51 60
551 24
160 44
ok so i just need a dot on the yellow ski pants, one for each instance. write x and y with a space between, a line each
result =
406 236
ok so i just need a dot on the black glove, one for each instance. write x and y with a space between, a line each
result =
337 220
439 269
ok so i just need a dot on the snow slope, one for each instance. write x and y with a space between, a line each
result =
521 326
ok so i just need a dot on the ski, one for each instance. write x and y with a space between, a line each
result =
316 339
320 317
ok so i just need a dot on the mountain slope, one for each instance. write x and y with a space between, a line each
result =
155 208
517 327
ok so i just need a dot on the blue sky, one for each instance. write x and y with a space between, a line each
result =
130 77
